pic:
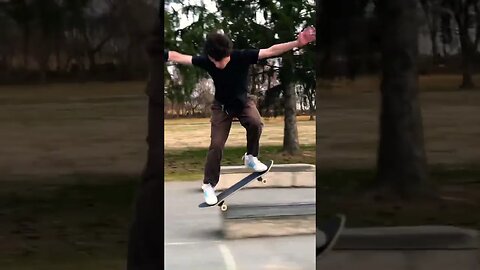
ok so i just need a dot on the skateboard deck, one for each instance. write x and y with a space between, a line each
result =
236 187
331 229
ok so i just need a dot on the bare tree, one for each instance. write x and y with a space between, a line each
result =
462 11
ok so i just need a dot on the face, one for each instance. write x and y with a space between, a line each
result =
220 64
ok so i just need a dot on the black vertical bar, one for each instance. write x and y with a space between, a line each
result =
146 235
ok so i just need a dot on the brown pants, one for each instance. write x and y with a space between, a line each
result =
221 122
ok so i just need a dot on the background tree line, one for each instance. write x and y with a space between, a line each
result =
448 38
49 40
253 24
60 40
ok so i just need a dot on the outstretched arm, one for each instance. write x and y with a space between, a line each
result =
306 36
277 49
177 57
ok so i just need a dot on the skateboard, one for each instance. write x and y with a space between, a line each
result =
236 187
331 229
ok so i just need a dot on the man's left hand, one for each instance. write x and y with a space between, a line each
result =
306 36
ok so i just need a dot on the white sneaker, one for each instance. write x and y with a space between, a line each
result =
253 163
209 194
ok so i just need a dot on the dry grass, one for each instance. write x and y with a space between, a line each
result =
61 129
348 119
195 133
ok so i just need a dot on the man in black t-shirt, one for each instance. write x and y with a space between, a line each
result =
229 71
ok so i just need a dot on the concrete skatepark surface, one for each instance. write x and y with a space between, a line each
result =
193 238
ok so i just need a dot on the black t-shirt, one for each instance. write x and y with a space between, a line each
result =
231 82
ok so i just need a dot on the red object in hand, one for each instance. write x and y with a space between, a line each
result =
306 36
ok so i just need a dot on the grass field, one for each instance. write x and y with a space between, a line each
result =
101 128
195 133
71 155
349 119
188 164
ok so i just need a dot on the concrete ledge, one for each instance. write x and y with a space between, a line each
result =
404 248
408 238
400 260
260 220
280 175
294 167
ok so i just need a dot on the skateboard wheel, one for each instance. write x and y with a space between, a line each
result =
223 207
260 179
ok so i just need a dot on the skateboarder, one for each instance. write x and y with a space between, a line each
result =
228 68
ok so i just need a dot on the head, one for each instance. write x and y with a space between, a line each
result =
218 48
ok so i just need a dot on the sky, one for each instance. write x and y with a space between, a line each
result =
209 5
184 20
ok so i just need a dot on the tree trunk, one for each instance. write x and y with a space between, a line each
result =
26 44
302 107
290 133
58 58
43 57
444 47
401 160
145 242
178 109
467 55
462 17
127 65
432 26
43 68
290 137
435 54
311 106
467 80
91 61
476 7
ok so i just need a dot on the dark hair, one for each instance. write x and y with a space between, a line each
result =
218 46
